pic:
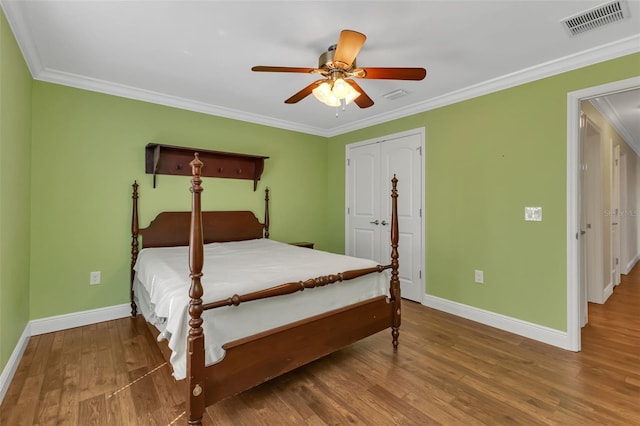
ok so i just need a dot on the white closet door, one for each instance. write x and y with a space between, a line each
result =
371 166
364 203
402 157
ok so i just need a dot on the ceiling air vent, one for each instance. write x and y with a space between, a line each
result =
399 93
602 15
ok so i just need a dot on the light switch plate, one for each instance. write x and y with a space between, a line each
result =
533 214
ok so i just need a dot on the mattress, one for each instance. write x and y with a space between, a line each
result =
162 283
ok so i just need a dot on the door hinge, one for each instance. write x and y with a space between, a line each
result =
348 210
419 150
617 261
420 212
348 161
420 274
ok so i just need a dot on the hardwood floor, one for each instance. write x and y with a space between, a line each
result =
447 371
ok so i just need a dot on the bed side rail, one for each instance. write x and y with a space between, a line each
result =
293 287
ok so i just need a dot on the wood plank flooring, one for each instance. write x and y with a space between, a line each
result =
447 371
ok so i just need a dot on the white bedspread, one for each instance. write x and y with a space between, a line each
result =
238 268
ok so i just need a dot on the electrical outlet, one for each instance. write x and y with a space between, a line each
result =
94 278
479 276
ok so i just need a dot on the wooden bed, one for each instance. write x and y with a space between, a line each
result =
281 349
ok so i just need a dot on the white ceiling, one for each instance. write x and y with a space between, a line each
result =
198 55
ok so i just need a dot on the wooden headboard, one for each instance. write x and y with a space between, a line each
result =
172 228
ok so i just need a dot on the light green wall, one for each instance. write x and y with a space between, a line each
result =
486 159
15 176
87 150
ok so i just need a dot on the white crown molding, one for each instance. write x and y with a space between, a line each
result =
512 325
13 12
109 88
606 109
592 56
588 57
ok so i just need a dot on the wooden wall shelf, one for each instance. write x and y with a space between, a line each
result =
174 160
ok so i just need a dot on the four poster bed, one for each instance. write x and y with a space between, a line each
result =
232 261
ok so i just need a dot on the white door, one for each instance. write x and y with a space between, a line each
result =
591 214
370 167
363 210
615 217
623 217
584 205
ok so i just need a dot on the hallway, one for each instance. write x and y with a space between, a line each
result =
611 338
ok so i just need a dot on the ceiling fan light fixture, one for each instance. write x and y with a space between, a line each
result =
340 88
353 94
323 93
333 94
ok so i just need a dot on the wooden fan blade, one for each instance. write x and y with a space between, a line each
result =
303 93
391 73
349 45
363 101
261 68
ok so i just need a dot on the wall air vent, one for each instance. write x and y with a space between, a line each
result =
599 16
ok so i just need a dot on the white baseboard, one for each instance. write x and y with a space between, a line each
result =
608 291
537 332
78 319
632 263
12 365
56 323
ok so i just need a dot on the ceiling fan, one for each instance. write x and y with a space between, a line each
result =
336 65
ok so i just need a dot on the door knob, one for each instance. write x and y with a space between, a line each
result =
384 223
375 222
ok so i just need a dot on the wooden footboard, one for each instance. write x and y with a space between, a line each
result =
258 358
255 359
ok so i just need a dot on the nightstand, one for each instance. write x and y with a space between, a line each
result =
303 244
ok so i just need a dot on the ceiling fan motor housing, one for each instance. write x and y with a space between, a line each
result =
325 61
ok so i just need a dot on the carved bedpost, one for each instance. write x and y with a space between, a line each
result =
266 212
195 341
134 243
395 265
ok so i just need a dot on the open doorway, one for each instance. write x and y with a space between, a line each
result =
604 202
576 294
